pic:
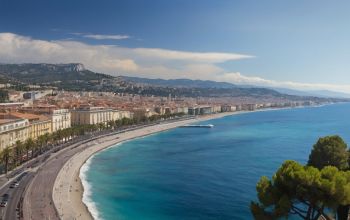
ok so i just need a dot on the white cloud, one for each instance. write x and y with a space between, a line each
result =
195 57
111 59
237 77
106 37
143 62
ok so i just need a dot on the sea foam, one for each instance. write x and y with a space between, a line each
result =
87 195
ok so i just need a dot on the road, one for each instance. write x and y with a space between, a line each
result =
41 205
10 211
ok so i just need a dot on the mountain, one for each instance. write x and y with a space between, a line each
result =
327 93
75 77
180 83
43 73
318 93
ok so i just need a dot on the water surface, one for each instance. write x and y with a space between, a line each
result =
197 173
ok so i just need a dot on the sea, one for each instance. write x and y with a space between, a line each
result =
204 173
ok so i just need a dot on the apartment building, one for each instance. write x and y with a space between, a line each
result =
38 124
228 108
61 119
216 108
12 130
97 115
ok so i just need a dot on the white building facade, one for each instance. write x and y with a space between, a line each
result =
13 130
61 119
97 115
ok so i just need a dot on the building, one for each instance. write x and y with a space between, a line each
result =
60 119
125 114
160 110
12 130
200 110
39 109
228 108
216 108
11 105
193 111
38 124
249 107
238 107
40 127
205 110
97 115
182 110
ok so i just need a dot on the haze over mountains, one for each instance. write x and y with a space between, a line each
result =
75 76
213 84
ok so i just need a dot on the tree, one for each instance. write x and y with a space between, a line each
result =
329 151
29 145
41 141
5 157
111 124
302 190
101 126
18 151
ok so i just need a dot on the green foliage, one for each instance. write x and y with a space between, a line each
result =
5 156
4 97
329 151
302 190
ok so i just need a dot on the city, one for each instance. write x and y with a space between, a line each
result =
174 110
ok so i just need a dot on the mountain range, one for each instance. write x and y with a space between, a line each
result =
74 76
181 83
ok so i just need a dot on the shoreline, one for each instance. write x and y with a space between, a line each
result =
68 190
70 198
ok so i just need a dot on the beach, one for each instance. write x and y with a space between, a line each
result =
68 191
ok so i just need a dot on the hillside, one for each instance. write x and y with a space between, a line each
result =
74 77
48 73
180 83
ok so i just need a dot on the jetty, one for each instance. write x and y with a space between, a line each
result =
197 126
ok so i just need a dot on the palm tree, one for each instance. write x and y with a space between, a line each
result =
101 126
40 141
5 157
46 138
18 151
29 145
111 124
58 136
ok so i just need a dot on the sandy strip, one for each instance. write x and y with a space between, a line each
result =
68 190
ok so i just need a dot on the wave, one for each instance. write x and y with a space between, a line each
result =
87 194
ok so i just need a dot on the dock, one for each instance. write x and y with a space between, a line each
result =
198 126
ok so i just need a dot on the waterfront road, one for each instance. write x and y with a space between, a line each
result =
38 202
12 209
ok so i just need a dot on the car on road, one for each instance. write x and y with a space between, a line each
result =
14 185
21 176
3 204
5 197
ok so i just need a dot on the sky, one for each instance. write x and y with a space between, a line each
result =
277 43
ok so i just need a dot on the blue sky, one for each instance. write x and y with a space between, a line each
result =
296 44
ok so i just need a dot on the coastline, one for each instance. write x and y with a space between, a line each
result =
70 198
68 190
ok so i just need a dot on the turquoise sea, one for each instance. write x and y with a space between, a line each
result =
197 173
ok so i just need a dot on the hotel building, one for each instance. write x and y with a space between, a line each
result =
38 124
61 119
12 130
97 115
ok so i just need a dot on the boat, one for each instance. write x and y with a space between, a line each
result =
198 126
